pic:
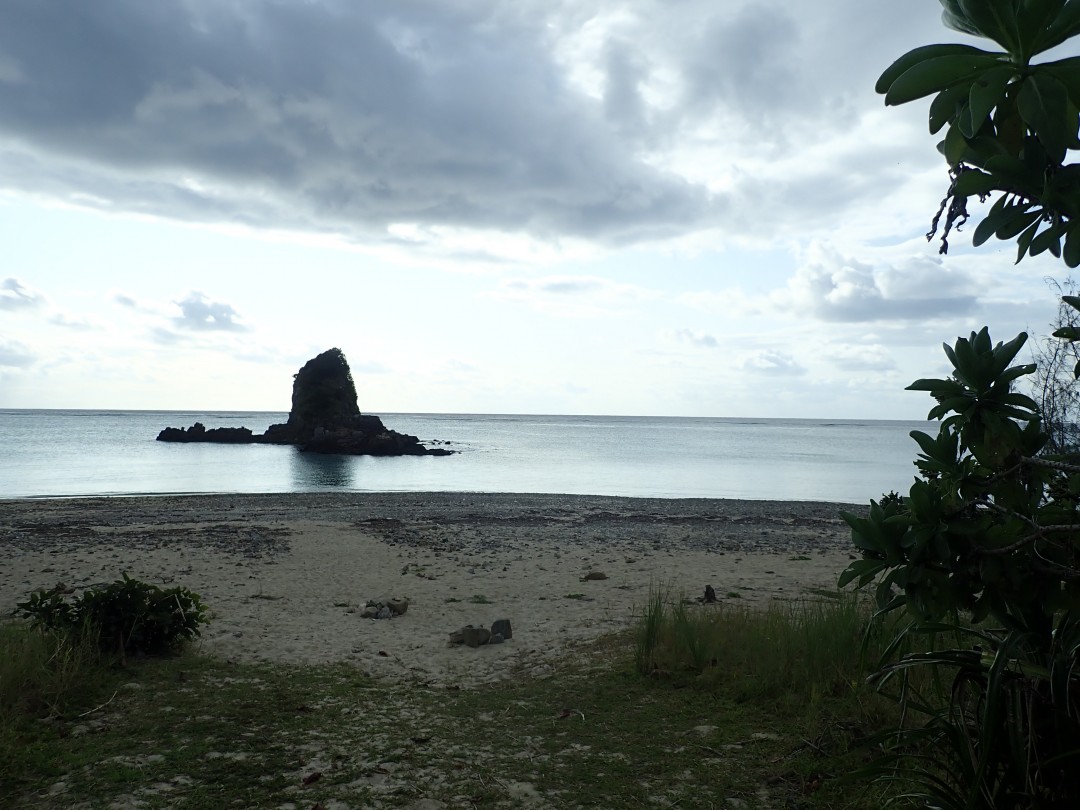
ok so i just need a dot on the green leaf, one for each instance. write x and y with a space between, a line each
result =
1004 377
1040 102
986 93
925 385
1066 26
994 19
954 17
937 73
1022 400
955 145
974 182
914 57
1066 71
1050 239
1033 20
1014 225
927 443
967 362
999 218
865 570
1024 241
1071 253
946 106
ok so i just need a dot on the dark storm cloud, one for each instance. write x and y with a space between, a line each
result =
334 115
201 314
348 116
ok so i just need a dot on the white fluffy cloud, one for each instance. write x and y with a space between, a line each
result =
834 287
200 314
774 363
702 340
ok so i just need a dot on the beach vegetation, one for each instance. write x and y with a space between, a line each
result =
789 649
1053 385
127 616
982 557
982 561
43 671
1009 123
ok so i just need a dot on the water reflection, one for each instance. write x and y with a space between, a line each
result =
320 471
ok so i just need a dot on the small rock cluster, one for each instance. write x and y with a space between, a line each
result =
472 636
385 608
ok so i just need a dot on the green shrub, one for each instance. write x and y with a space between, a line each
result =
128 616
983 555
983 562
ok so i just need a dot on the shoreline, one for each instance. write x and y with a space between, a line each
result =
285 575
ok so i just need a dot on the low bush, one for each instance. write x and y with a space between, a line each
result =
128 616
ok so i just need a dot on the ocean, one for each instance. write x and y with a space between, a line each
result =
65 453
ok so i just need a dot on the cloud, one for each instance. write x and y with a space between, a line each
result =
861 357
773 363
834 287
574 295
551 119
201 314
163 336
559 285
700 339
74 322
323 116
14 354
732 301
16 295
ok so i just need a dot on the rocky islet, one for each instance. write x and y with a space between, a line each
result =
324 418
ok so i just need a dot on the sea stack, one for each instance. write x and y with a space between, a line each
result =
324 418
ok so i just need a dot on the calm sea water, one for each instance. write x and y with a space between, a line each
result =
50 453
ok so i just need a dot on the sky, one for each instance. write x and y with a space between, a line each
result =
649 207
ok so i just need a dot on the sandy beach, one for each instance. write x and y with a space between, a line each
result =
286 576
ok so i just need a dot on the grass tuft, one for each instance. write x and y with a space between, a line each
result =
44 671
802 650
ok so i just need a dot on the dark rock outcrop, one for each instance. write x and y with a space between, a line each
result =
199 433
324 419
323 398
